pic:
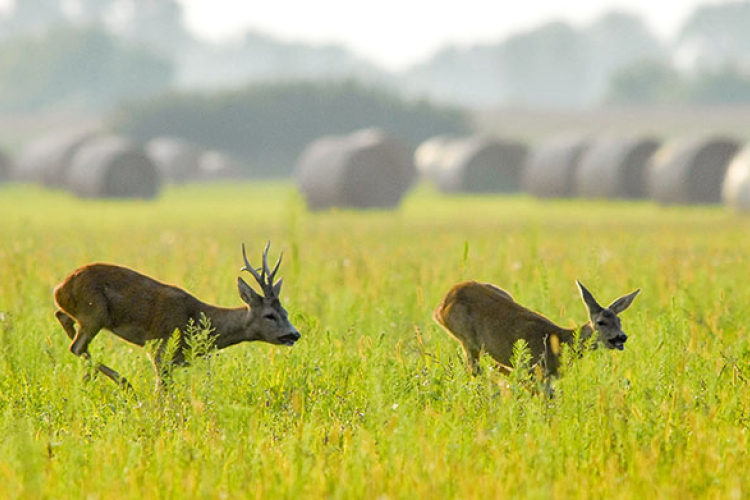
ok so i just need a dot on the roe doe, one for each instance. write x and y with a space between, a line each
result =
139 309
485 318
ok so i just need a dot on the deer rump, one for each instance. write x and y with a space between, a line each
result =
132 305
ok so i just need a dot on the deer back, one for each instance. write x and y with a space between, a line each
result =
136 307
485 318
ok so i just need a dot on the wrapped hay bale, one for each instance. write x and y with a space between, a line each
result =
215 165
615 168
366 169
176 159
690 171
47 159
735 191
429 156
551 168
482 164
113 167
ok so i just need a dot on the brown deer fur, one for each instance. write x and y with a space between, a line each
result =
485 318
139 309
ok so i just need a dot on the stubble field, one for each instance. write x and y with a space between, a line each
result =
375 400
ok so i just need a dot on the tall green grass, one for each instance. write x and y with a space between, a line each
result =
375 400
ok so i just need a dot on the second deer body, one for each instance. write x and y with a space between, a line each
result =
485 318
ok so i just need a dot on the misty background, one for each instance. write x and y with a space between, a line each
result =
135 67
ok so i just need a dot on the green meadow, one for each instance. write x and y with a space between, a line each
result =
375 401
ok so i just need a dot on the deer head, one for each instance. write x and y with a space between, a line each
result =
268 320
605 321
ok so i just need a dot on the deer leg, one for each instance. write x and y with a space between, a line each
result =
114 376
82 339
472 357
68 325
163 368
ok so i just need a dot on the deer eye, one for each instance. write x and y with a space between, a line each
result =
270 317
601 322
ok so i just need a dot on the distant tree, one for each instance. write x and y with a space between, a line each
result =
617 40
727 86
716 35
469 76
549 65
646 82
32 17
156 24
93 12
259 57
268 125
76 68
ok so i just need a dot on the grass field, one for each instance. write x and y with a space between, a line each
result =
375 400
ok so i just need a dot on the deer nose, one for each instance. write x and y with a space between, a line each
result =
296 335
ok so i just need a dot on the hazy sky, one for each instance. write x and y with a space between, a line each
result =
396 33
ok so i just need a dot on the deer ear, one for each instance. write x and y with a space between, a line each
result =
277 287
624 302
247 294
591 304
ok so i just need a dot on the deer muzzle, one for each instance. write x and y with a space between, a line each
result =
619 341
289 338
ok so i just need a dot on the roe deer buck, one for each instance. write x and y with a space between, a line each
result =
138 308
483 317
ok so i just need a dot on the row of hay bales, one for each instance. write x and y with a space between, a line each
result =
707 170
89 164
95 164
181 161
677 172
372 169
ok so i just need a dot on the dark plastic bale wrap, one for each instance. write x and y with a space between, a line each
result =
113 167
615 168
429 156
482 164
216 166
366 169
176 159
48 159
690 171
6 167
735 191
551 167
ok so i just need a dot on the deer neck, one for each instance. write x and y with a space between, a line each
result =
228 324
586 330
583 333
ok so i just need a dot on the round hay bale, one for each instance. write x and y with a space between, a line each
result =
735 191
366 169
482 164
551 168
113 167
615 168
429 155
47 159
215 165
690 171
178 160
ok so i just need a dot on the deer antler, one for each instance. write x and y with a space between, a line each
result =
266 276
